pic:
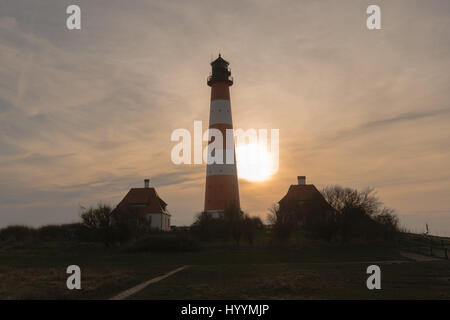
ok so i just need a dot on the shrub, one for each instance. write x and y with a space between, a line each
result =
96 218
251 225
283 223
18 233
112 227
360 214
232 223
65 232
389 223
163 242
60 232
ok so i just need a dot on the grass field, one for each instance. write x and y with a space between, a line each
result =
221 272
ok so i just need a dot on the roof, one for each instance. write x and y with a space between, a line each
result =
305 193
143 201
220 60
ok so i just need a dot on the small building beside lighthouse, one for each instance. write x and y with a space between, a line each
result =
307 202
145 203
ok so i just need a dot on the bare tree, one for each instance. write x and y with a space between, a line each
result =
96 218
360 213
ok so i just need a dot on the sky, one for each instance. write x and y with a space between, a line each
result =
87 114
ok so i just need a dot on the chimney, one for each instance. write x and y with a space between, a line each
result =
301 180
147 183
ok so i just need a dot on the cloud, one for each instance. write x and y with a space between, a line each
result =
8 23
408 116
84 116
37 159
357 132
4 106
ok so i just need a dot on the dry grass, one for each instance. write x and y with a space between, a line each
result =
304 281
334 272
50 283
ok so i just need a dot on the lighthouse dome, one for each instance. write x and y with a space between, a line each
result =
220 72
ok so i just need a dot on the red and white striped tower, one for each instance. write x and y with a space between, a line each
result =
221 188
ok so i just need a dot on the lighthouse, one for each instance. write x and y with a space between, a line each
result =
221 189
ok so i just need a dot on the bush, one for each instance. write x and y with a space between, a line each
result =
67 232
233 223
113 227
18 233
251 225
205 227
283 223
97 223
389 223
341 198
360 214
163 242
96 218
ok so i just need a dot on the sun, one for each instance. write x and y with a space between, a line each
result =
254 162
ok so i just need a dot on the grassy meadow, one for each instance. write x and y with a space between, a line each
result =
314 270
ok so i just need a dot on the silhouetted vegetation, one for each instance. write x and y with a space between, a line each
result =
164 242
360 214
283 223
350 215
251 225
98 224
356 215
18 233
233 224
72 231
28 235
96 218
113 228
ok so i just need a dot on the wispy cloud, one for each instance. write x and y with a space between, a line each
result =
358 131
84 116
407 116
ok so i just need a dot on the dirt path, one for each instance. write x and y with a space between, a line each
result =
125 294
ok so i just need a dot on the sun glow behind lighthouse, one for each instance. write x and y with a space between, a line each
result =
254 162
